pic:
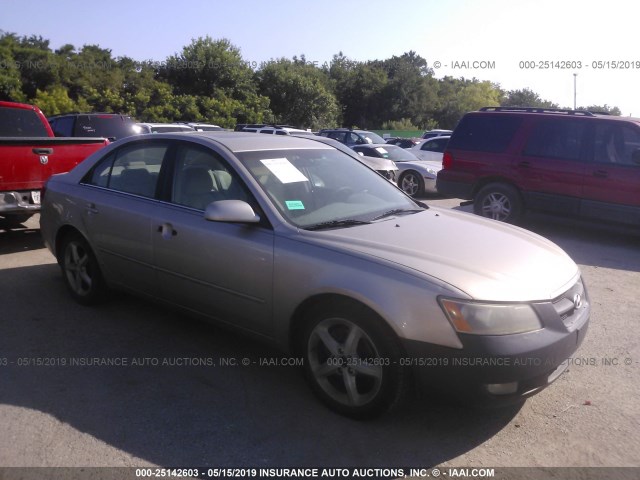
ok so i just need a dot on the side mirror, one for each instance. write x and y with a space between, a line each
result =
635 156
232 211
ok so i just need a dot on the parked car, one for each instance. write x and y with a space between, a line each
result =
296 241
164 127
403 142
205 127
431 149
415 177
576 163
276 130
29 155
108 125
436 133
351 137
254 127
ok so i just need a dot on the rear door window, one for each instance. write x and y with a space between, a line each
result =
133 169
556 138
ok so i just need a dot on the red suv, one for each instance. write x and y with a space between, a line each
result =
571 162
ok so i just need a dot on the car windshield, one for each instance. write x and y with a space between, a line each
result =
392 152
324 187
372 137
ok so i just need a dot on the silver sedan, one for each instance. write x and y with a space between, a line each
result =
295 241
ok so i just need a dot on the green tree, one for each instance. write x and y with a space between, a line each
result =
54 100
10 79
602 109
298 93
459 96
525 98
215 70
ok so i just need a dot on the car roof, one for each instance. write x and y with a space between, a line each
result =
247 142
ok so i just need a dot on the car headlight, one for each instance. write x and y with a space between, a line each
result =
431 171
477 318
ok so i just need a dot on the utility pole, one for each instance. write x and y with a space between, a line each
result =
575 76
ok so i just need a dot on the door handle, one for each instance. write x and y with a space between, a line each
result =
42 151
167 231
91 207
600 174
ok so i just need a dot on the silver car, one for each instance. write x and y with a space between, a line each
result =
294 240
415 177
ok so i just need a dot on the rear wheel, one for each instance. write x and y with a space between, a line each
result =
412 184
351 361
80 270
499 201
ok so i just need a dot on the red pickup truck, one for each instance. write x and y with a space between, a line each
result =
29 155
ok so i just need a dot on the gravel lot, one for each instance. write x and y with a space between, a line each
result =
56 414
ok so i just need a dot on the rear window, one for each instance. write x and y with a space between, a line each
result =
485 133
108 126
17 122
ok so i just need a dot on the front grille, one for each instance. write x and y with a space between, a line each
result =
571 304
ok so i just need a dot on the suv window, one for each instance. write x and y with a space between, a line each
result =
108 126
485 133
615 144
18 122
339 136
556 139
62 127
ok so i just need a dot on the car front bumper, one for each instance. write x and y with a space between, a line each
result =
504 369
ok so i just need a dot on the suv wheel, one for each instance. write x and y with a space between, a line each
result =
498 201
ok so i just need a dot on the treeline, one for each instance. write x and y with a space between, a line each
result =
210 81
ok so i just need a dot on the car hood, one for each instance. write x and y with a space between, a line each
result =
420 164
486 259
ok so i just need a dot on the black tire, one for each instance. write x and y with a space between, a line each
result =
499 201
80 270
351 360
412 183
11 221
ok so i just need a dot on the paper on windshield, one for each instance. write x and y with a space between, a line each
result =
284 170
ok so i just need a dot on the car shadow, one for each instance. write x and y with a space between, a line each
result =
19 239
178 392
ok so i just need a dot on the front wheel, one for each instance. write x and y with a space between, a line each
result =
499 201
412 184
351 361
81 271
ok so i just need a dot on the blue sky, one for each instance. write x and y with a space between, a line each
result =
487 40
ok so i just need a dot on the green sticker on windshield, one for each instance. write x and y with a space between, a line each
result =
294 205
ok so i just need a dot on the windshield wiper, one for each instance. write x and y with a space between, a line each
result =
397 211
348 222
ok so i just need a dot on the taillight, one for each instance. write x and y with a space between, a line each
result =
447 160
